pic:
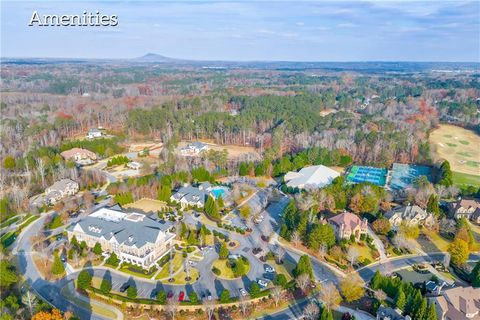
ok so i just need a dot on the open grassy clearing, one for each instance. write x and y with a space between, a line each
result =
461 179
147 205
459 146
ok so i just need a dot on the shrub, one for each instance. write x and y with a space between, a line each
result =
216 271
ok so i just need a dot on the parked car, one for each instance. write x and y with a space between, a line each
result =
209 295
124 287
269 268
243 292
170 294
262 283
181 296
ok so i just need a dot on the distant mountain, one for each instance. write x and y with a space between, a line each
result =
153 57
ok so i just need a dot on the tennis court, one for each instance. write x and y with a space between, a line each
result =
404 175
360 174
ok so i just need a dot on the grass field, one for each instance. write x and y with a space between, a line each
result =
466 179
177 264
460 147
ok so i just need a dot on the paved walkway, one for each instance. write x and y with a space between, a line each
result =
378 244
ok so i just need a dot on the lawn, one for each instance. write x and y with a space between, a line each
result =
147 205
177 264
434 243
365 253
460 147
225 271
461 179
9 221
180 277
136 272
409 275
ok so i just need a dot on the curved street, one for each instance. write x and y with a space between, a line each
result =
207 282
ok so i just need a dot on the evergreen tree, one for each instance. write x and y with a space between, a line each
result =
475 275
431 312
106 285
432 205
376 281
225 296
254 290
57 268
161 297
421 311
84 280
164 193
112 260
183 230
220 202
223 253
132 292
400 299
445 177
243 169
97 249
326 314
304 265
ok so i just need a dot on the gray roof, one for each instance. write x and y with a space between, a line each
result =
125 231
406 213
61 184
198 144
191 194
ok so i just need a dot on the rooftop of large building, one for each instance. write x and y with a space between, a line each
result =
132 229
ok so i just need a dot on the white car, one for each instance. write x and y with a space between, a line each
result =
269 269
243 292
262 283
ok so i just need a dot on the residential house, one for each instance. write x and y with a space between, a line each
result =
460 303
346 224
134 237
134 165
80 156
193 148
94 133
59 190
311 177
191 196
465 208
411 215
387 313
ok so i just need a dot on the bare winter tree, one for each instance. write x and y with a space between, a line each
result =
352 255
303 281
209 306
322 250
41 170
380 295
295 239
446 260
311 311
243 304
30 301
171 307
276 294
330 295
279 253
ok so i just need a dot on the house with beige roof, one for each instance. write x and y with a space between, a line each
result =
82 157
347 224
59 190
411 215
458 304
465 208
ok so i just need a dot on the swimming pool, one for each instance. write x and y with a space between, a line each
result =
218 191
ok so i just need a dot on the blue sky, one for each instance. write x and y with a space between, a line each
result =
252 30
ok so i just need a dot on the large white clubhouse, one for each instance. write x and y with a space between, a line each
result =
133 237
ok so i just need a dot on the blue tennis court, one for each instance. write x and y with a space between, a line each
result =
359 174
404 175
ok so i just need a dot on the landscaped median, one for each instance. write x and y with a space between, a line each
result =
231 268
